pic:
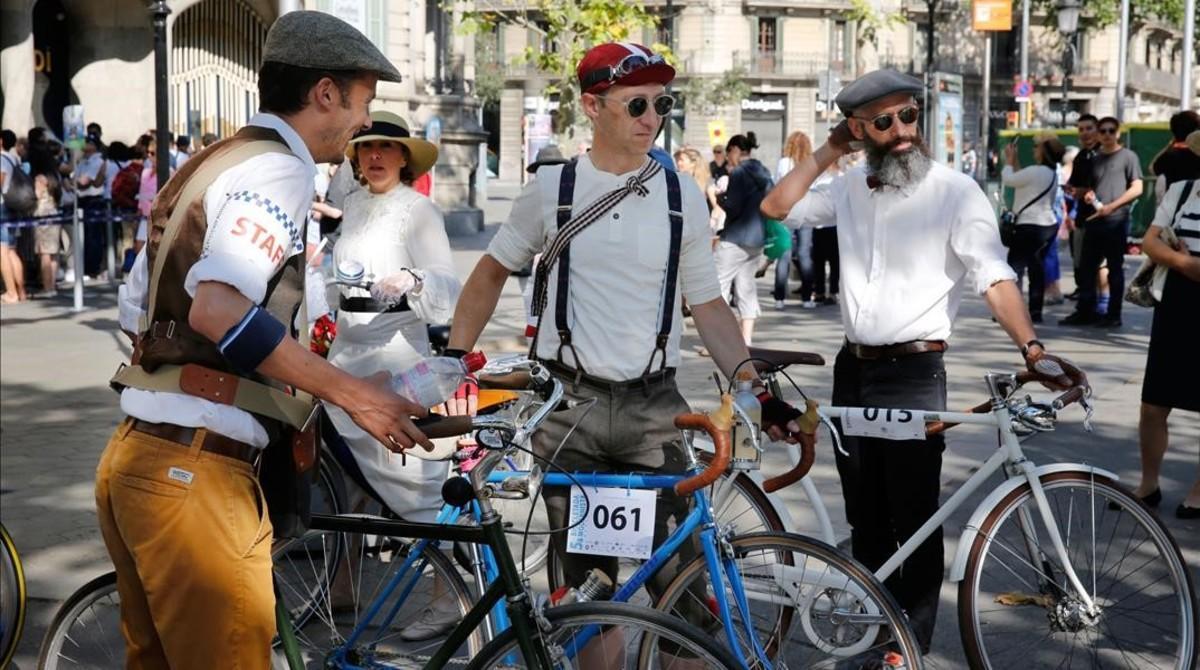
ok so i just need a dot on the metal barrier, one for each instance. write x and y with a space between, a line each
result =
76 216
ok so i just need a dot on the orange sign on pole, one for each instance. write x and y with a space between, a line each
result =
993 15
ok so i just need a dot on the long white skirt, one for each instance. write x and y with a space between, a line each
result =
366 344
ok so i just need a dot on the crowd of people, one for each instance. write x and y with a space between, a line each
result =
114 181
611 231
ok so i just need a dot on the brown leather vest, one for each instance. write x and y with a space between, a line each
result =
168 338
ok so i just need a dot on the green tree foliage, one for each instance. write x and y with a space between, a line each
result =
566 29
1099 14
707 95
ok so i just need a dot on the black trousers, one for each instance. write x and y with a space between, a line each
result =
825 250
891 487
1028 250
1103 240
95 235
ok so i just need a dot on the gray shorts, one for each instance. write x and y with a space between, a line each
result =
629 431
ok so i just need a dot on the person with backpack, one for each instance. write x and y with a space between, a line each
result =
12 270
744 235
1172 366
1037 227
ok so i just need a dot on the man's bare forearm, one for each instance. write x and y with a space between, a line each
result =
218 307
1007 305
722 336
477 302
796 183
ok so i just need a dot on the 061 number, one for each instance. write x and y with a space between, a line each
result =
616 518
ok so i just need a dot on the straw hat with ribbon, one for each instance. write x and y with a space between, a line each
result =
391 127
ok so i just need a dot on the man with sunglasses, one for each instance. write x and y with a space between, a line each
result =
608 301
911 232
1116 184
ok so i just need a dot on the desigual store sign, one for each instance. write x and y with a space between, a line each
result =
765 104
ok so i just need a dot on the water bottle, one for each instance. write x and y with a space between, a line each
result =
350 271
744 453
433 380
597 586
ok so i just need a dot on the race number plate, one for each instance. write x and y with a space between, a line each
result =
612 522
889 424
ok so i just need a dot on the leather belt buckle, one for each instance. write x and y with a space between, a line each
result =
197 380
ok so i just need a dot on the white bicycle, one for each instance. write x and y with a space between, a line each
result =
1058 566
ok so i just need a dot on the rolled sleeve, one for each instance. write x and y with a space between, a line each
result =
697 267
254 225
816 208
975 239
523 234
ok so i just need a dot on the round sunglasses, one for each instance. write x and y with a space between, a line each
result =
883 122
637 106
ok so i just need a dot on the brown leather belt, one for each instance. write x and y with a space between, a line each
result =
213 443
868 352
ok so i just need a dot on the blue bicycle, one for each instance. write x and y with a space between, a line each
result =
777 600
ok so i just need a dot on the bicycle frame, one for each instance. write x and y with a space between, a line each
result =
1010 458
508 587
701 519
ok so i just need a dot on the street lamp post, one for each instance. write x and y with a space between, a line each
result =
1068 24
158 13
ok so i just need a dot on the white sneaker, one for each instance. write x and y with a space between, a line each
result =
68 277
808 304
779 304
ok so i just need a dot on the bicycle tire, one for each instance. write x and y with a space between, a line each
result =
845 587
369 564
12 597
107 639
1073 494
729 515
503 650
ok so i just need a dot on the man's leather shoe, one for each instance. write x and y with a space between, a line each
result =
1078 318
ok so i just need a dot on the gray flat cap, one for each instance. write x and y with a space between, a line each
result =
322 41
875 85
547 155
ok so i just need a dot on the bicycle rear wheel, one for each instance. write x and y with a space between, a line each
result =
399 617
12 598
626 629
810 606
1020 612
86 630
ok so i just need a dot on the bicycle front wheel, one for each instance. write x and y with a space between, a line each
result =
809 605
1017 608
12 598
610 635
86 631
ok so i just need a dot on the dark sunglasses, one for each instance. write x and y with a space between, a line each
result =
663 104
883 122
1109 131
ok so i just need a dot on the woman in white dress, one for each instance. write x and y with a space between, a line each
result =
398 238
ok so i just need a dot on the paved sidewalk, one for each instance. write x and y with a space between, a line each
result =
57 413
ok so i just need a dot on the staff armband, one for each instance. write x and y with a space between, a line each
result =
250 341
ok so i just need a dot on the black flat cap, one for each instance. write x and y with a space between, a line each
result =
324 42
875 85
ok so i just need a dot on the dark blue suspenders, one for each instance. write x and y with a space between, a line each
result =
566 195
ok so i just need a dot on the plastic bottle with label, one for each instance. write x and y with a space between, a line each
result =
433 380
597 586
743 435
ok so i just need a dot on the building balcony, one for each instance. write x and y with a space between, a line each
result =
786 64
1153 81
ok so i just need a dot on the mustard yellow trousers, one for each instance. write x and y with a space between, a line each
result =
189 536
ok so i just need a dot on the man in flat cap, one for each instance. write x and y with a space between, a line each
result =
211 304
621 239
911 234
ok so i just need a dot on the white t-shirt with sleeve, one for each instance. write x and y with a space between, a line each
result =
256 213
618 267
907 255
1029 183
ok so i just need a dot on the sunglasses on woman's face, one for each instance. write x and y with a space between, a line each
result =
883 122
637 106
1108 131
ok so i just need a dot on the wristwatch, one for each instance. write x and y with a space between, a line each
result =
1025 347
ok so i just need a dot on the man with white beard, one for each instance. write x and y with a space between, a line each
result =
911 232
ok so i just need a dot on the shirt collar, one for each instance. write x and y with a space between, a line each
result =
289 135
